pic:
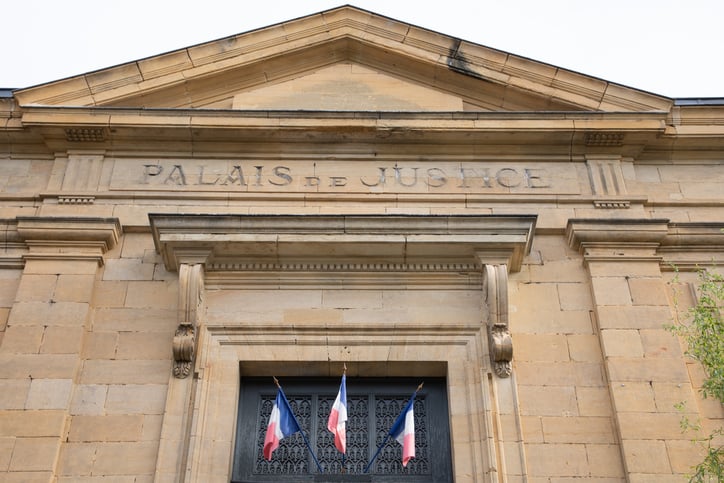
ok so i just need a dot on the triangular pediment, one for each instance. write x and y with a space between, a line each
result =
344 59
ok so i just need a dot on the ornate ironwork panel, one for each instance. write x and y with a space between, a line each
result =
373 404
389 461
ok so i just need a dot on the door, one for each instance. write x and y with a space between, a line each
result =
373 404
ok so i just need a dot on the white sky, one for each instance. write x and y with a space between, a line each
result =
668 47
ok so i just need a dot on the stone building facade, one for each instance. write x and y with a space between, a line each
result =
339 189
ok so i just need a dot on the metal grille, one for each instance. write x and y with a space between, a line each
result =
292 456
389 462
373 404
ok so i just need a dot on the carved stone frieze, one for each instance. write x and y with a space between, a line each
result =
495 287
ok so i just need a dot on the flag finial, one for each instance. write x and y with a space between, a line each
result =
276 381
419 388
345 368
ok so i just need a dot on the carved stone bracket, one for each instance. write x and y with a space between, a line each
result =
495 286
190 297
184 342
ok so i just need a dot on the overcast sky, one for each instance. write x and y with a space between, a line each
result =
668 47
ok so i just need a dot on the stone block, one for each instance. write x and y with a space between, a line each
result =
575 296
55 267
125 372
32 424
621 343
633 397
29 477
36 288
593 401
635 317
660 343
557 460
89 399
135 398
555 271
6 451
76 459
584 347
630 268
646 456
74 288
352 299
133 458
22 339
532 429
144 345
120 427
135 245
525 319
650 426
539 347
648 291
41 366
110 293
667 395
35 454
577 429
684 455
44 313
62 340
542 296
135 320
49 394
611 291
312 316
100 345
547 400
654 478
623 369
9 284
585 374
152 424
604 461
158 295
127 269
13 393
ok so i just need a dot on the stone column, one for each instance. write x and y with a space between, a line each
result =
40 356
644 365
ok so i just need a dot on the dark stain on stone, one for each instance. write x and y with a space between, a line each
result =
457 62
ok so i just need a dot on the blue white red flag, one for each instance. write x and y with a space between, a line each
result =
282 423
338 417
404 431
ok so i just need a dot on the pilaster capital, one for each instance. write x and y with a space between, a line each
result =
68 238
617 239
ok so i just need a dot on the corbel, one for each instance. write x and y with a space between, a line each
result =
500 342
191 289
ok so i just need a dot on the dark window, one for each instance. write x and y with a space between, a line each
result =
373 405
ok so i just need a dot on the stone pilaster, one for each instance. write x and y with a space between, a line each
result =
40 357
644 365
175 436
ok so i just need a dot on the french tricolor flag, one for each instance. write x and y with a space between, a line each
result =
282 423
338 417
404 431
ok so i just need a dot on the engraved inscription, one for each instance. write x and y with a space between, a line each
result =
343 176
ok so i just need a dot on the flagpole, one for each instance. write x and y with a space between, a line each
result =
379 448
344 470
306 441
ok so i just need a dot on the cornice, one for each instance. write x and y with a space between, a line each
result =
65 128
343 243
685 246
